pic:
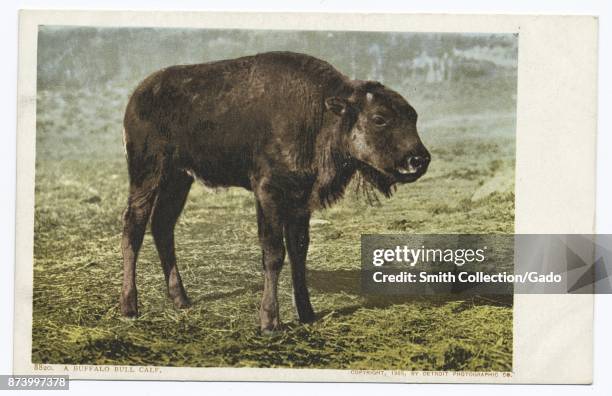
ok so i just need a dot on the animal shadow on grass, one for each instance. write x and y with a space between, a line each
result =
349 281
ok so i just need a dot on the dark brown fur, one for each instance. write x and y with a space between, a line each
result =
287 126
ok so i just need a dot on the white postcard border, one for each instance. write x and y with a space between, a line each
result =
556 121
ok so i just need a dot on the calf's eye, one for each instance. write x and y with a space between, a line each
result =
379 121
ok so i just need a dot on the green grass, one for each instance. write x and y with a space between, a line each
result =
81 190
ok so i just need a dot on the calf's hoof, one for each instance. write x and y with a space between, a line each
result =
129 307
181 302
271 331
307 316
269 321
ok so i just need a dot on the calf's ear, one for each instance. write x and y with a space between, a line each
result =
336 105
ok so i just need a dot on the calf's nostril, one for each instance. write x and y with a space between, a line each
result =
417 162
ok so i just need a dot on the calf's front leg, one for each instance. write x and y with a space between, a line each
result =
270 230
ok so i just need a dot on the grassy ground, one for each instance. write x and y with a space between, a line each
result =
81 187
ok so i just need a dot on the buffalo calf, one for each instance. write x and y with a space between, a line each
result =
288 127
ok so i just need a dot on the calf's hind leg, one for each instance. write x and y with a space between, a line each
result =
168 207
135 217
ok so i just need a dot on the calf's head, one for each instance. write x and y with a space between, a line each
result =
381 135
